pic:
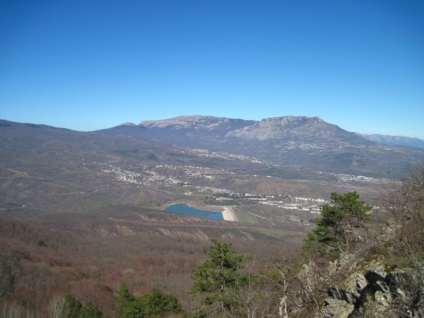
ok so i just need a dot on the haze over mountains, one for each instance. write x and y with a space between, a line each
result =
395 140
300 141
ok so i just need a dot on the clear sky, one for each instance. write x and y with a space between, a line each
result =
94 64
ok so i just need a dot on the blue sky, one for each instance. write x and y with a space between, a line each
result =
94 64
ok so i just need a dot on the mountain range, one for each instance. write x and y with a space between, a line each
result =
400 141
82 212
298 141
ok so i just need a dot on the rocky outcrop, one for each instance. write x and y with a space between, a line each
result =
374 289
378 294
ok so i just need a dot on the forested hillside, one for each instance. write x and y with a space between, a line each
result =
353 264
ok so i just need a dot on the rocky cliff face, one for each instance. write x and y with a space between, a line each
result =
212 124
293 127
381 277
288 127
356 288
366 284
375 292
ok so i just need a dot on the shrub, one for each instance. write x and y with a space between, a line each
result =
154 304
337 228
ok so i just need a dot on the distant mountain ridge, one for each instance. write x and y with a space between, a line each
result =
204 125
272 128
189 130
292 127
395 140
197 122
287 127
299 141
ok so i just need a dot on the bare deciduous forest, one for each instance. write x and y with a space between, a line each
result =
41 265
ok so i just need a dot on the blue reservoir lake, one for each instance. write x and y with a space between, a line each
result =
188 210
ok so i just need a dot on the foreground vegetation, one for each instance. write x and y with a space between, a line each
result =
346 248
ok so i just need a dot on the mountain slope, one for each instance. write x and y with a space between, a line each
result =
289 127
292 128
399 141
296 141
49 169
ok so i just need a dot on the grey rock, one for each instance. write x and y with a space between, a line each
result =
335 308
398 294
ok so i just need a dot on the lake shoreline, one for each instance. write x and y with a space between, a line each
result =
228 214
186 209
